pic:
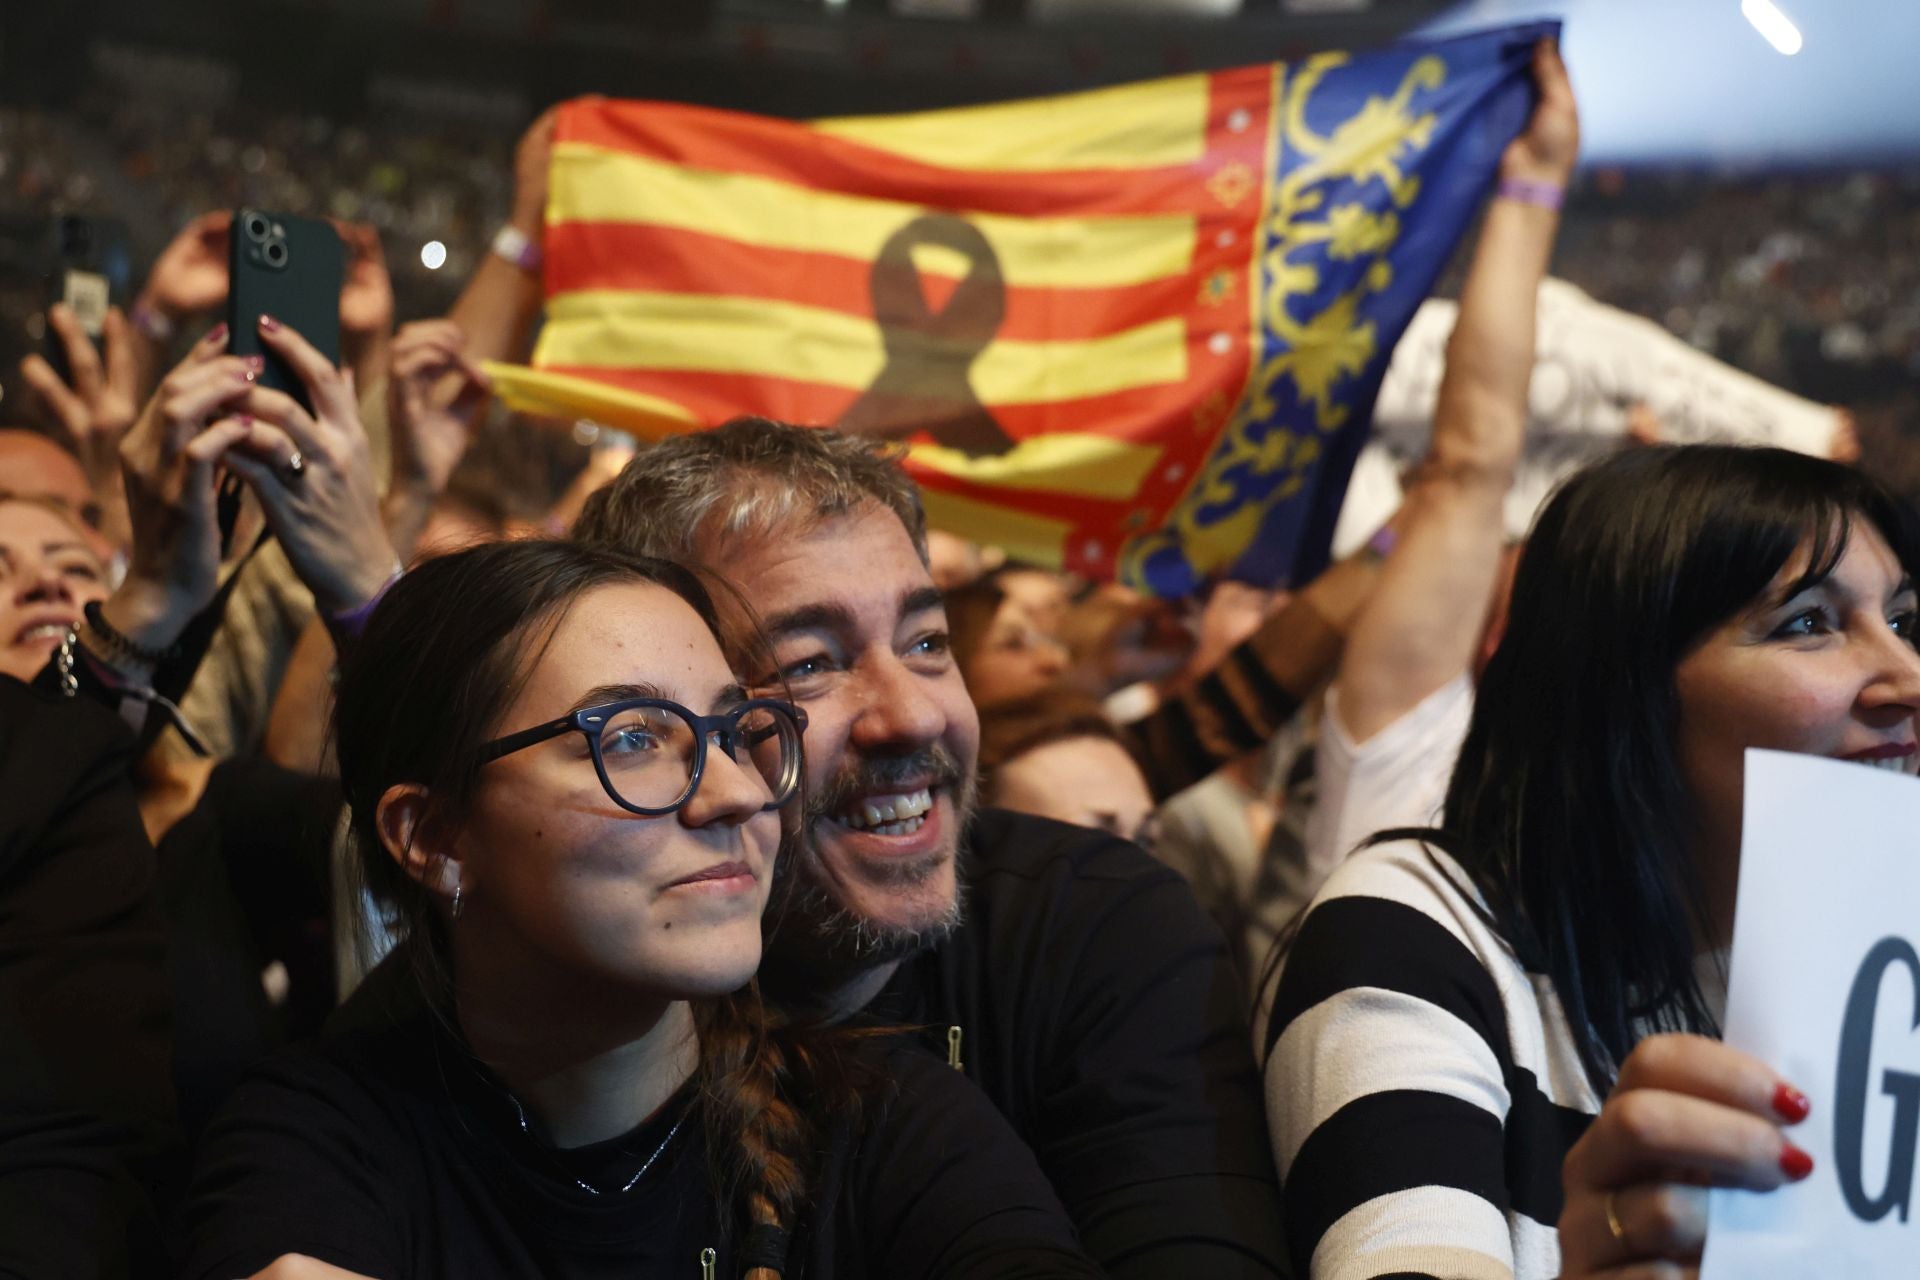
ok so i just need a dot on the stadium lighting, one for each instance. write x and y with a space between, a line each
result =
1773 25
433 255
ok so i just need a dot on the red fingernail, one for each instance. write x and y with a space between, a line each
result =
256 363
1795 1163
248 375
218 333
269 324
246 419
1790 1104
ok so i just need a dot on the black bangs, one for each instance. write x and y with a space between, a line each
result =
1568 809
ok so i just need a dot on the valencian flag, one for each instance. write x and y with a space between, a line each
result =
1134 332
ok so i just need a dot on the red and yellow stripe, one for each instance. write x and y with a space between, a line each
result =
703 264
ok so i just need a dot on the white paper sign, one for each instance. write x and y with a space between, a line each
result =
1825 987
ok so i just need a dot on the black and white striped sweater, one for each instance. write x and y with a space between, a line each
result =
1422 1086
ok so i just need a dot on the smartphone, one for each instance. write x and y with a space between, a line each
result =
291 269
89 268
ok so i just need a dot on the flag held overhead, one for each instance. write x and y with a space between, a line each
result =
1134 333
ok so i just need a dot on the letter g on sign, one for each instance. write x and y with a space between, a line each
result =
1850 1110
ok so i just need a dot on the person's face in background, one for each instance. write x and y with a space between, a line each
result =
32 466
1016 657
1045 596
48 574
1088 781
953 561
1830 671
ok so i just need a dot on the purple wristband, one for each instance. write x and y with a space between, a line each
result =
1547 195
152 322
349 625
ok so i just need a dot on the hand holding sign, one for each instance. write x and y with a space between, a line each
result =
1825 979
1686 1113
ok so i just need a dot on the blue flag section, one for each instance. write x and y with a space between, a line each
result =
1379 163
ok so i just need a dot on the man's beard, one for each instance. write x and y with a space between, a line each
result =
836 937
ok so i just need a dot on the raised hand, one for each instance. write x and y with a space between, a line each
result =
1546 149
313 477
168 460
98 408
189 278
531 161
1687 1113
435 395
366 290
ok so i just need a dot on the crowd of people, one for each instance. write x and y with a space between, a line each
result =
428 852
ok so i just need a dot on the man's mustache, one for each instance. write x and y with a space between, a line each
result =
933 766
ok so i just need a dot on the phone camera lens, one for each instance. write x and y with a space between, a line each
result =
276 253
257 226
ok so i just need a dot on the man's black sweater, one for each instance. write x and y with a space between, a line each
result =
1098 1006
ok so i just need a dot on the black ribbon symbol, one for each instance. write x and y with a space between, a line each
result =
924 385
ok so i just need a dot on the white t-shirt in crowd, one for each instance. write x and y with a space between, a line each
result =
1396 778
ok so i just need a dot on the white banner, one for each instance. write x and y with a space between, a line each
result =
1826 989
1593 364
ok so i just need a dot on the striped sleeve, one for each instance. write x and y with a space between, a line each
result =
1235 708
1409 1141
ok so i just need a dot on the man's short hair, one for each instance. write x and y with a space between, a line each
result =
746 478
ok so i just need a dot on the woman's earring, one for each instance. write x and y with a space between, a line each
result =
456 901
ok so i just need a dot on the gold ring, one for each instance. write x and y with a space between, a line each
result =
1613 1219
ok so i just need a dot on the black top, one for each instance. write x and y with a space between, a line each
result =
245 879
86 1111
1099 1008
387 1150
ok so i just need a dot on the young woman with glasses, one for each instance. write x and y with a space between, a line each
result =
570 812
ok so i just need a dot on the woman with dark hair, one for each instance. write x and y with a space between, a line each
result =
1459 1002
1005 650
1055 754
568 811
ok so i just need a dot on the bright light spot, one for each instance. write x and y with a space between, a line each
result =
1775 26
433 255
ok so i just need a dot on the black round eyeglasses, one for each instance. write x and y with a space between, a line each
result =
650 753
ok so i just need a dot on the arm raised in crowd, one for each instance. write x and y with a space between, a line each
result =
1421 625
1236 707
324 509
428 434
97 408
436 393
1398 632
497 309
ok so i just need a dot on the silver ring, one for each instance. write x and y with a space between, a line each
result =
295 468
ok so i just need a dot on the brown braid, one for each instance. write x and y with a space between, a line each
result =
768 1089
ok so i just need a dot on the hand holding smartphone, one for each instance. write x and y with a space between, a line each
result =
88 270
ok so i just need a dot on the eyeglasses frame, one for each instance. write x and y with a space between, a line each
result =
590 721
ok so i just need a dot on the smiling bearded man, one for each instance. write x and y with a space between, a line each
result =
1070 976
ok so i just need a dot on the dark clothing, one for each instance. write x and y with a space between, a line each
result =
387 1150
86 1106
1098 1007
1237 707
245 879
